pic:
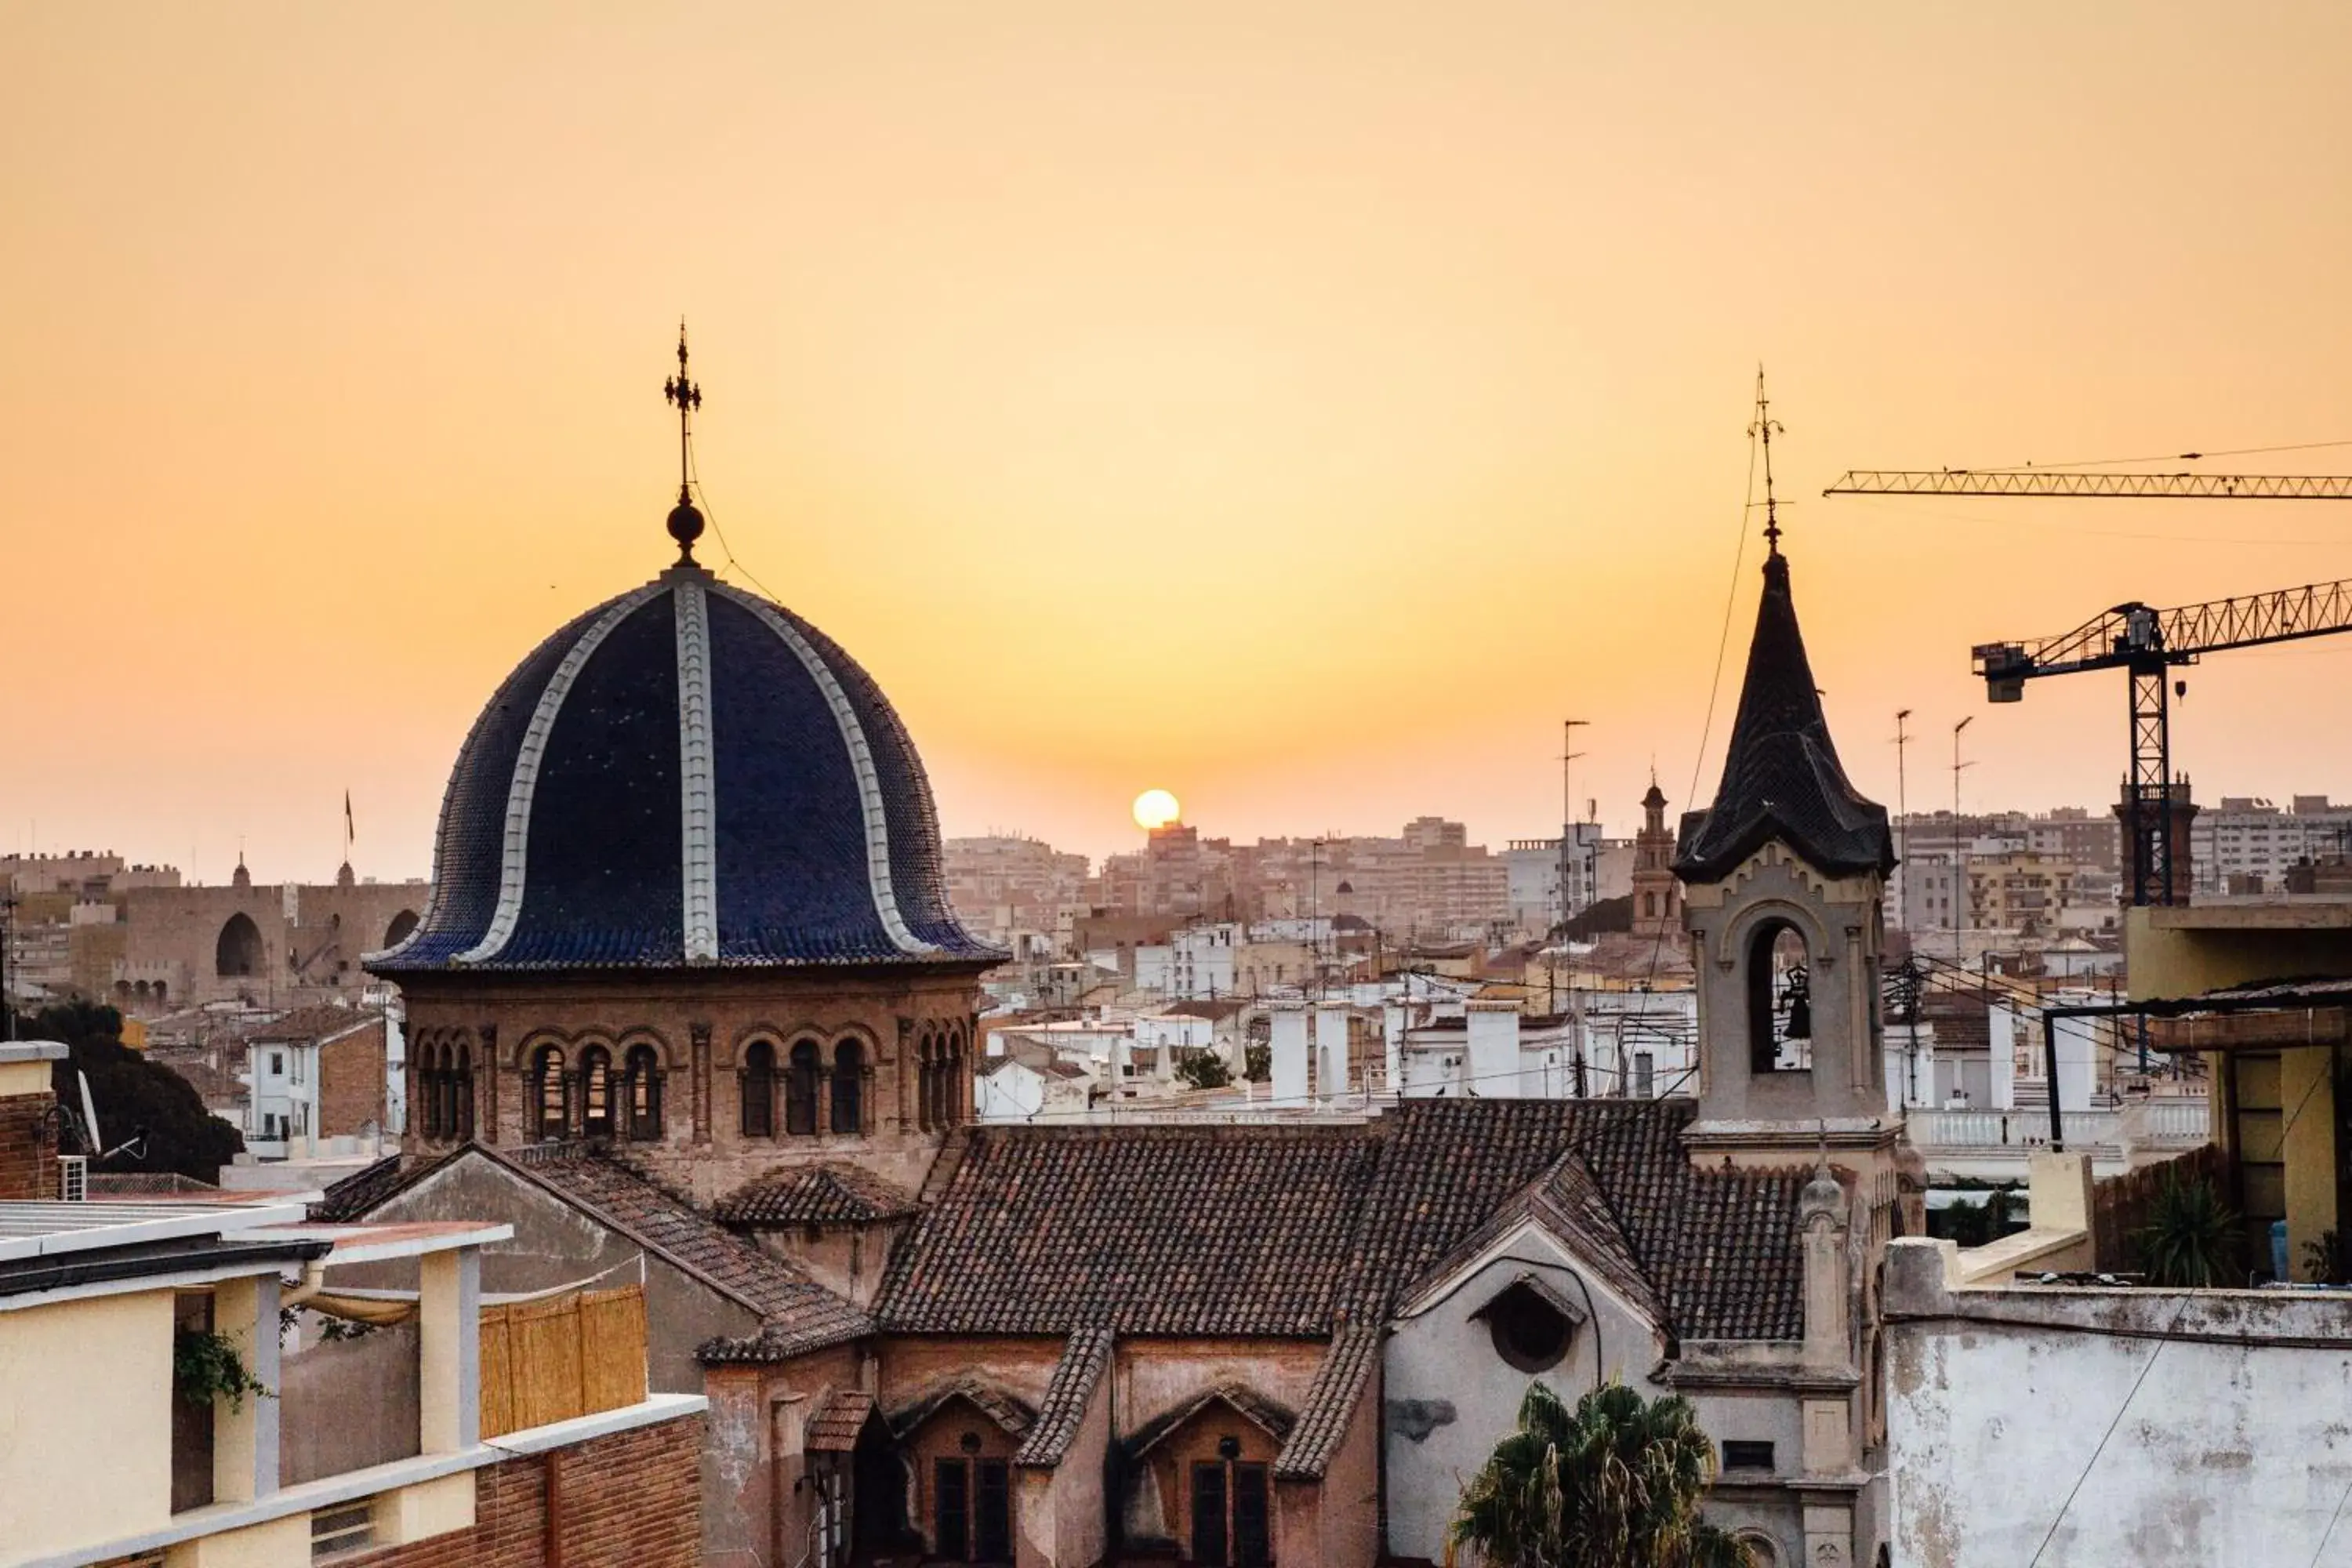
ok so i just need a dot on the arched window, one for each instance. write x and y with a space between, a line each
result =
238 953
848 1087
397 931
800 1091
461 1083
641 1093
596 1092
1780 1003
428 1099
924 1074
954 1083
546 1107
759 1091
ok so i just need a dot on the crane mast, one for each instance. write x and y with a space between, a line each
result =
2145 643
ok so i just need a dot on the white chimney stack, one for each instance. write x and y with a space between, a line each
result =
1330 1050
1392 1017
1494 1042
1289 1053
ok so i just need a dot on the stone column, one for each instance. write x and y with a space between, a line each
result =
245 1431
700 1035
449 1351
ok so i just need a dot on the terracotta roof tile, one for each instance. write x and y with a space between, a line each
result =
832 1193
1332 1398
1273 1417
1084 1361
1147 1230
835 1428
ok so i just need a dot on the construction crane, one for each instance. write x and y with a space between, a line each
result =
2148 643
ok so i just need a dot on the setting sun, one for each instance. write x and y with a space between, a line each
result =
1155 808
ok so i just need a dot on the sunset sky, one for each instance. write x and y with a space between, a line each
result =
1300 407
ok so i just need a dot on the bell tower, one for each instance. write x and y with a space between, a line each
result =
1784 878
1657 897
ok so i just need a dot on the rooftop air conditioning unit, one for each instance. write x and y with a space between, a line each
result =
73 1178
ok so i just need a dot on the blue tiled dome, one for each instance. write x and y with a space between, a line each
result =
686 774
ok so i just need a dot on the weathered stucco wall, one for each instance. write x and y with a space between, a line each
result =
1451 1398
2229 1445
85 1378
554 1244
345 1405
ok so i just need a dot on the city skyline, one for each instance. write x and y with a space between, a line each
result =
1302 414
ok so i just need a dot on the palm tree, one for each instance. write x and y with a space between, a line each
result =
1613 1483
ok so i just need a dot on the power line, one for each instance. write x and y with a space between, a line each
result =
2075 1491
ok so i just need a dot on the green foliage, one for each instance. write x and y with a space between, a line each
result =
1602 915
2325 1261
1257 1063
1614 1482
2190 1239
1204 1069
132 1092
205 1367
1975 1225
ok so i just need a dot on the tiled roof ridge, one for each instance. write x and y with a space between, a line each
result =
1322 1422
827 1191
1086 1357
1009 1411
1268 1415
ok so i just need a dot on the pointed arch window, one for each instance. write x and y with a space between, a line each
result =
428 1092
848 1089
800 1090
641 1093
759 1091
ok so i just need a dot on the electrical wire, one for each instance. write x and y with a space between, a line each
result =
2075 1491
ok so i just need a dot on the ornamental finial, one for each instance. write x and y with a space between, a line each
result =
684 519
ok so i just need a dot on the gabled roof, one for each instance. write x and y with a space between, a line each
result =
831 1193
1331 1399
1084 1361
1782 778
1299 1231
1013 1415
796 1313
1270 1416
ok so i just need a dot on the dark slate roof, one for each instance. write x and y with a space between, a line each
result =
685 774
1292 1231
1084 1361
1782 778
1147 1230
832 1193
1331 1402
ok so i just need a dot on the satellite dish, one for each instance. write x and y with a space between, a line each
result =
89 1114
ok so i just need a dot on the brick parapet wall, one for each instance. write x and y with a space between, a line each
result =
630 1500
28 1148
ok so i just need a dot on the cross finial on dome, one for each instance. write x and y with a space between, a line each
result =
685 520
1763 428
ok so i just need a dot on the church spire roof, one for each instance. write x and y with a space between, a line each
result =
1782 778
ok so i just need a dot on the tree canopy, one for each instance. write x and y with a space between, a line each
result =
1612 1482
133 1093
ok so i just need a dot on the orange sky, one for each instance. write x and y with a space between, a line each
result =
1300 407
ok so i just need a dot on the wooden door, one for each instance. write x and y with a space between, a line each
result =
1253 1544
993 1512
951 1509
1209 1515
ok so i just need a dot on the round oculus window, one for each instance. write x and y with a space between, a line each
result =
1528 1332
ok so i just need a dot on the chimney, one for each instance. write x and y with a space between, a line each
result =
28 1127
1289 1052
1392 1025
1494 1040
1330 1050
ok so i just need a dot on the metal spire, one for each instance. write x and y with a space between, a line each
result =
685 520
1762 429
